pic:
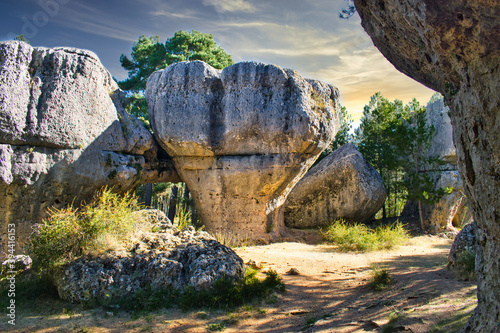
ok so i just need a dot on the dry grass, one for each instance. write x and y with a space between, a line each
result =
359 237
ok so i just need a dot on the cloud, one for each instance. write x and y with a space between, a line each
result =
230 5
174 15
91 20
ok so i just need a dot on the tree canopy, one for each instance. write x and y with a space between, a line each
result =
394 139
149 55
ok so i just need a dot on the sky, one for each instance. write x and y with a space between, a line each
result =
305 35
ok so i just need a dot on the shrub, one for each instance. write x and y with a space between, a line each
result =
466 264
70 232
358 237
381 279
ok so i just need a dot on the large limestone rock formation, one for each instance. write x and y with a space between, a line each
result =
451 211
453 47
342 185
241 138
63 135
164 258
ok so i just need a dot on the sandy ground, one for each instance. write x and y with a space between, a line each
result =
330 294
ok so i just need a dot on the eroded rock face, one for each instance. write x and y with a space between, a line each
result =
451 211
452 47
343 185
241 138
63 135
466 240
166 258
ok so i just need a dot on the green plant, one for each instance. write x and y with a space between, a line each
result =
358 237
381 279
466 264
217 327
72 232
225 293
183 217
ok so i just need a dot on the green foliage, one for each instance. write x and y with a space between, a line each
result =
21 38
465 264
217 327
195 45
149 55
29 288
358 237
394 139
226 293
71 232
342 137
381 279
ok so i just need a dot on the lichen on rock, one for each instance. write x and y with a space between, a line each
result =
159 259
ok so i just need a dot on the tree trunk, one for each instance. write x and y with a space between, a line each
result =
422 225
148 195
172 204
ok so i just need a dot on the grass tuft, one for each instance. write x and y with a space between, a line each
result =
225 293
70 232
381 279
359 237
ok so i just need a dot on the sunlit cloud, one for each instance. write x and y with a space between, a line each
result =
181 16
230 5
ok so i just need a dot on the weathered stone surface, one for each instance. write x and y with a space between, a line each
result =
466 240
241 138
342 185
451 212
64 134
166 258
442 145
452 47
15 265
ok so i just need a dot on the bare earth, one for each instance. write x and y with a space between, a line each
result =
330 294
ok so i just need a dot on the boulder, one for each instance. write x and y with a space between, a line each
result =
342 185
241 138
465 240
451 211
165 258
452 47
64 134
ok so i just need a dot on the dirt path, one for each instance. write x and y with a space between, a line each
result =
330 294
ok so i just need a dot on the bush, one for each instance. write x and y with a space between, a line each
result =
358 237
466 264
381 279
70 232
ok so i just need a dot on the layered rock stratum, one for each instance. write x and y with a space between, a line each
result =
63 135
241 138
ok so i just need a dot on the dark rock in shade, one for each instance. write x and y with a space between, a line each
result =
453 47
64 134
241 138
342 185
165 258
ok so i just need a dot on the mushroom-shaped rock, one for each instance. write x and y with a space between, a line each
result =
342 185
241 138
64 134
